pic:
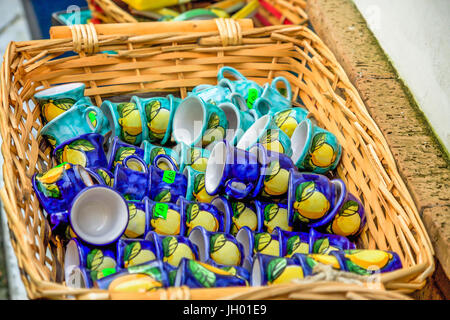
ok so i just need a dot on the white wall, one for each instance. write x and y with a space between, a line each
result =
415 34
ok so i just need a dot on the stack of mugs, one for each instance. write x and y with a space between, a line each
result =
216 185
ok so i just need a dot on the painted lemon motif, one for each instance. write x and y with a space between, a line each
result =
370 258
224 251
271 141
168 226
323 246
53 175
163 196
129 121
75 152
196 217
136 222
310 203
348 220
174 251
197 161
122 153
276 216
278 271
322 154
199 191
53 108
296 245
134 283
135 255
214 131
265 244
326 259
96 262
276 180
204 273
158 119
243 216
286 122
106 177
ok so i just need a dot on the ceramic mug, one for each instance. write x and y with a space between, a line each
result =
94 258
78 120
311 197
138 278
233 171
315 149
201 214
119 150
267 243
98 215
237 271
194 157
166 218
166 185
85 150
132 252
274 215
197 274
238 122
214 95
244 214
221 247
272 100
224 206
126 120
158 116
367 262
132 178
287 120
265 131
151 151
197 123
196 186
175 248
58 99
138 220
347 217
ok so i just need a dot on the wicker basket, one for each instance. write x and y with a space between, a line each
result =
108 11
177 61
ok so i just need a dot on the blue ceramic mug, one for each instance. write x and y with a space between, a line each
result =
85 150
151 151
201 214
105 175
274 215
244 214
166 185
138 220
119 150
166 218
132 178
233 171
78 120
132 252
175 248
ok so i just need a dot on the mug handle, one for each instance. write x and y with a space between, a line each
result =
286 84
231 71
237 193
238 100
93 121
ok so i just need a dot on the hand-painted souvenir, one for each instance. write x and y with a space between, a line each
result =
221 247
85 150
201 214
196 274
287 120
272 100
94 258
194 157
214 95
152 151
196 186
238 122
265 131
126 121
366 262
58 99
158 116
138 278
98 215
347 217
236 271
224 206
326 243
166 218
275 169
138 221
105 175
310 197
166 185
244 214
132 178
234 171
267 243
76 121
119 150
165 162
275 215
197 123
174 248
132 252
315 149
268 270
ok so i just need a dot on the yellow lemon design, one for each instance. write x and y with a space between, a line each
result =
369 258
270 140
289 274
97 262
285 122
197 217
75 152
53 175
276 179
122 153
53 108
199 191
135 255
136 222
278 271
214 131
322 154
347 221
168 226
134 283
326 259
174 251
214 269
310 203
243 216
265 244
129 121
158 119
200 164
224 251
296 245
276 216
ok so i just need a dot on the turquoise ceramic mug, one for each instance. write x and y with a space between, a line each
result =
214 94
197 123
58 99
151 151
272 100
314 149
238 121
194 157
265 132
74 122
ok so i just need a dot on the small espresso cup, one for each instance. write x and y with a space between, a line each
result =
315 149
166 185
194 157
238 121
151 151
119 150
166 218
265 131
201 214
132 252
274 215
272 100
234 171
244 214
196 186
175 248
132 178
85 150
58 99
138 220
287 120
197 123
98 215
214 94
